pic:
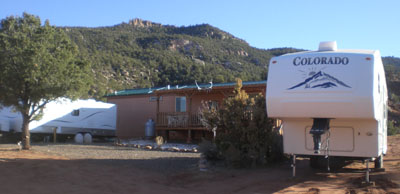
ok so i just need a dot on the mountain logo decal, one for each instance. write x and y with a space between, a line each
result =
320 80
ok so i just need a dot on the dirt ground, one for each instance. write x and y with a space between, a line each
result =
42 170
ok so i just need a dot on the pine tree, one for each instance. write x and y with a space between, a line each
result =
245 135
37 65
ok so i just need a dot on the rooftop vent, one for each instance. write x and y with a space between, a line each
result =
327 46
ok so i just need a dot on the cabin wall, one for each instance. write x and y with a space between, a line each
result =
134 111
199 98
132 114
167 103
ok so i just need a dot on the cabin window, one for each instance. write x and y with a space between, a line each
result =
75 112
180 104
154 98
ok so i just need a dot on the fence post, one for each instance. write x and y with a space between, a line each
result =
54 134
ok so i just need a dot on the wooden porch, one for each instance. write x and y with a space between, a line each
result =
177 121
189 119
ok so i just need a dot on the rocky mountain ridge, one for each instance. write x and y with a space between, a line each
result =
143 53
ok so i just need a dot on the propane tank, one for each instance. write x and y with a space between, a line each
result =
149 130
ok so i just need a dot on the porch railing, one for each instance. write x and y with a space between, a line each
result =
178 120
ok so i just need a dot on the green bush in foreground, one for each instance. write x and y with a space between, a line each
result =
244 134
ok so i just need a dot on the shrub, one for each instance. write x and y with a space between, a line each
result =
394 98
244 134
209 150
392 129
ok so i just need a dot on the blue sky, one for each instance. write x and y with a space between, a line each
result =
354 24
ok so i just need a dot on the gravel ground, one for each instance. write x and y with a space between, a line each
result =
105 168
108 153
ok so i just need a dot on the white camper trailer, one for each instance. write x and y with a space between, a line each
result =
331 103
82 119
9 120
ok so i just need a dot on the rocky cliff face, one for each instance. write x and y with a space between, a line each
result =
143 23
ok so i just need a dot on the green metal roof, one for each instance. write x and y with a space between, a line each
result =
142 91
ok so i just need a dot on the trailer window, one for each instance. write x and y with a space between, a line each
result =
75 112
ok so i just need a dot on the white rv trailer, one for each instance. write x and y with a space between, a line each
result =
331 102
9 120
68 118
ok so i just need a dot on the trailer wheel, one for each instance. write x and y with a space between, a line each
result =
379 162
78 138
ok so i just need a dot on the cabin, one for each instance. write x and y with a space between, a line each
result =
174 109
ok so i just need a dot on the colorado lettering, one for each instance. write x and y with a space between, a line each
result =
320 61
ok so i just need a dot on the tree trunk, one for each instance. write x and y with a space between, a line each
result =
26 136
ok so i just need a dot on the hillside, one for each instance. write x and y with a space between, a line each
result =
146 54
141 54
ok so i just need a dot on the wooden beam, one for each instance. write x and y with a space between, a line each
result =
157 108
189 137
55 135
180 128
189 97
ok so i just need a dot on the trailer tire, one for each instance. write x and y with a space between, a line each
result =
78 138
87 138
379 162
